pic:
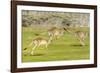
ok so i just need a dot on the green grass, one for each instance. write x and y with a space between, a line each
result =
66 47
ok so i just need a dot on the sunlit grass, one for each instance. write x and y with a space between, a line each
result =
66 47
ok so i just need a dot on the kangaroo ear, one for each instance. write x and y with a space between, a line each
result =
65 29
25 48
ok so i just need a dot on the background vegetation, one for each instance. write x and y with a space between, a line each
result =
59 19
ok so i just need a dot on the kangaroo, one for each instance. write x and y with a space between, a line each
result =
37 42
55 32
80 35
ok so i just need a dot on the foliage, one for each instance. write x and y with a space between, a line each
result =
31 18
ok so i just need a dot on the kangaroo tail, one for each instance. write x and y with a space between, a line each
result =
28 45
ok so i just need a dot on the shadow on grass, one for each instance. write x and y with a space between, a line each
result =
78 45
38 54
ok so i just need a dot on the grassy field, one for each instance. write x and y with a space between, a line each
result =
66 47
